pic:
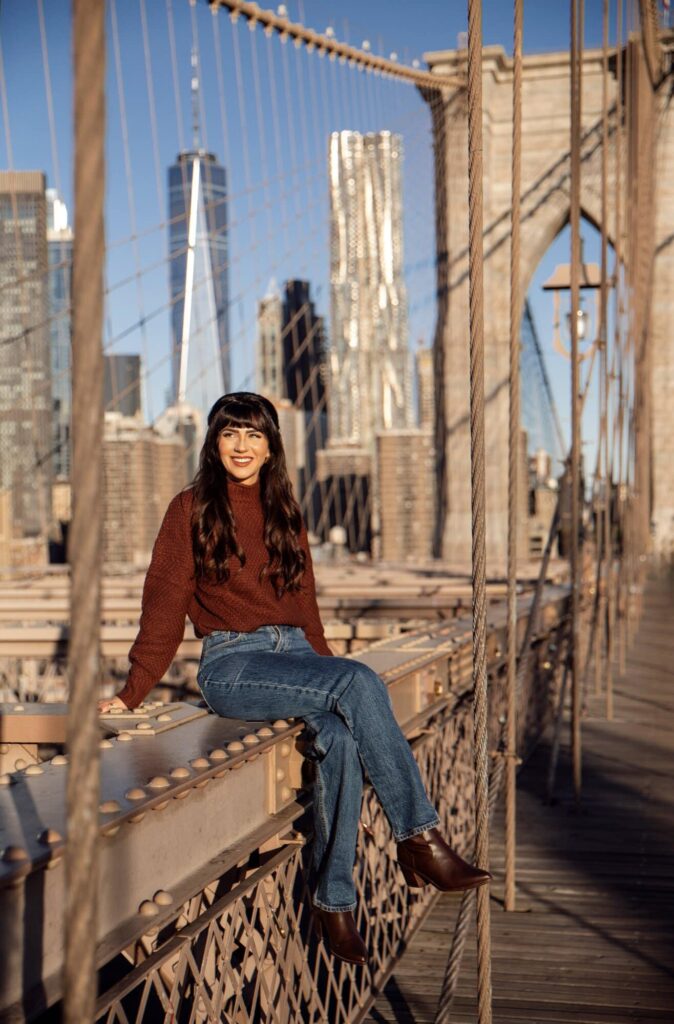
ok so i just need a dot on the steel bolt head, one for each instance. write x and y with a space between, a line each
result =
109 807
49 837
158 782
14 854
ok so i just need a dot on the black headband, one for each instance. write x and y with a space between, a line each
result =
244 398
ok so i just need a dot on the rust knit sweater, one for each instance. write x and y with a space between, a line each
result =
241 603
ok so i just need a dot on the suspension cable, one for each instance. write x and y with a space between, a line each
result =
576 567
328 44
477 447
513 463
82 789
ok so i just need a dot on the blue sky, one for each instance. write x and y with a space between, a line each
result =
276 160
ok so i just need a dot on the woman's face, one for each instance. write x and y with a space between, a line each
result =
243 452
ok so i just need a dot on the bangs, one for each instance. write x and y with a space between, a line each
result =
244 409
246 422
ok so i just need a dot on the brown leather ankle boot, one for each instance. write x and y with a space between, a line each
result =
426 857
339 933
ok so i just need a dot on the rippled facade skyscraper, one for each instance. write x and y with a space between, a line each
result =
370 363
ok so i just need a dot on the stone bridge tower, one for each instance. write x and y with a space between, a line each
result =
545 211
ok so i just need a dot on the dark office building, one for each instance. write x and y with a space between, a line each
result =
304 345
303 348
121 384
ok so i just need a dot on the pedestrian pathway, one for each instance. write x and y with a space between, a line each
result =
592 941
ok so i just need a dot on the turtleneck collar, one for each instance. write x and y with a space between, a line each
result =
244 494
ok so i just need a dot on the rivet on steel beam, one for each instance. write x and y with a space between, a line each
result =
6 779
124 737
286 793
148 909
163 718
163 898
180 773
280 724
105 745
135 794
49 837
20 764
59 759
251 739
158 782
34 769
265 731
235 747
116 711
14 854
4 748
144 725
109 807
19 707
200 762
280 775
285 749
137 817
218 754
139 711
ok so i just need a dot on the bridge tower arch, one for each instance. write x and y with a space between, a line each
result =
545 210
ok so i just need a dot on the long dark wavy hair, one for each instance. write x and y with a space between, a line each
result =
214 538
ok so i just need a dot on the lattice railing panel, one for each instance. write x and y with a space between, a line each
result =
250 954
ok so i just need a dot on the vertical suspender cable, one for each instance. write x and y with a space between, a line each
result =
513 462
617 294
84 654
476 303
576 568
602 524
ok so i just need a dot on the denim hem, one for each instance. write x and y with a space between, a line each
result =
415 831
331 909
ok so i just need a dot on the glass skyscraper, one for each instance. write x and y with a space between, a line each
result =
198 252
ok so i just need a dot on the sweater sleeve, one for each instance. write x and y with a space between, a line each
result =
169 585
313 627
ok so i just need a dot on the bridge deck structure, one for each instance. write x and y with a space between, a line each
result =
592 939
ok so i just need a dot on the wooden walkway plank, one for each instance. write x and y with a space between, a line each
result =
592 941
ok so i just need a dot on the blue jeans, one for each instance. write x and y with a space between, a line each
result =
274 672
